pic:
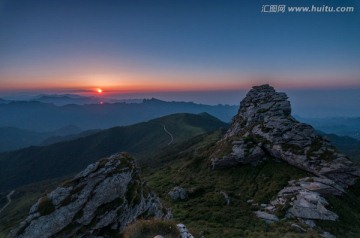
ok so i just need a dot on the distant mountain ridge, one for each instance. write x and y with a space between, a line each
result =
342 126
345 144
42 117
12 138
65 99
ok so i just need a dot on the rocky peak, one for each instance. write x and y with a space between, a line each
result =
264 127
262 103
101 200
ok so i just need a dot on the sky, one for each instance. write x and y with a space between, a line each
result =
203 50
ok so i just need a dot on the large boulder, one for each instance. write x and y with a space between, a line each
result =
101 200
305 198
311 205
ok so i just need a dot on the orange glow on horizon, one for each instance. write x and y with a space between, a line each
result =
139 83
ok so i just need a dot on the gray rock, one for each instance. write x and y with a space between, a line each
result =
178 193
310 205
108 194
184 232
267 217
243 152
310 223
306 200
264 125
297 228
327 235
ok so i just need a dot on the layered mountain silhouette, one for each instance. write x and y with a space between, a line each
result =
65 99
44 117
13 138
64 158
267 175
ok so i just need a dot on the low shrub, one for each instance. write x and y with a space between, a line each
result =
45 206
151 228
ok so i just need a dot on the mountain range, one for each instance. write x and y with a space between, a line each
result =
13 138
265 175
44 117
64 158
40 120
65 99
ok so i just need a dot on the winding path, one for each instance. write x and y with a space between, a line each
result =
9 200
171 136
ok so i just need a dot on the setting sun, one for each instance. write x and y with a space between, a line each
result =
99 90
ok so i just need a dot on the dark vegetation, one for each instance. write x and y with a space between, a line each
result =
186 163
348 209
206 211
151 228
142 140
45 206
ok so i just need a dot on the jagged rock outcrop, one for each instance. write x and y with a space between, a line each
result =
264 127
104 198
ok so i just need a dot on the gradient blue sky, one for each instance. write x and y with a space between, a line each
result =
188 45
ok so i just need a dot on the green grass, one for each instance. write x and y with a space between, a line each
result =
187 164
206 210
142 140
151 228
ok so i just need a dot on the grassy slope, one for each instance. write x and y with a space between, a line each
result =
187 164
142 140
206 210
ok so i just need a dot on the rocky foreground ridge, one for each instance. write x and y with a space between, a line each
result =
104 198
264 128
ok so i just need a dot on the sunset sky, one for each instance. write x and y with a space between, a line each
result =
188 45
